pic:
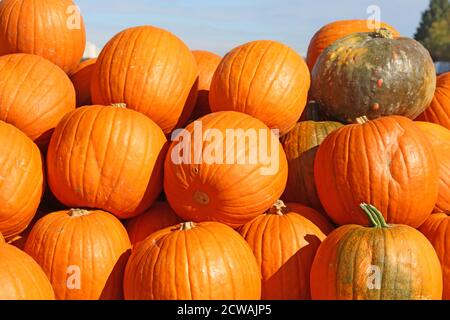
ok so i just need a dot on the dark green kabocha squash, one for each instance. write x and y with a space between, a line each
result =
373 74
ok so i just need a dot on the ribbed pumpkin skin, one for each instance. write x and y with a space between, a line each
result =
284 245
207 63
317 218
94 241
335 31
22 180
439 109
81 79
437 229
408 264
208 262
439 137
265 79
232 193
152 71
2 240
158 217
20 240
41 27
21 277
370 74
387 162
300 146
106 157
38 95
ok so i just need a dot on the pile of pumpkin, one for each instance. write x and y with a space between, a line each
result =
86 155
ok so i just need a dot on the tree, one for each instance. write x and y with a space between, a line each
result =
434 30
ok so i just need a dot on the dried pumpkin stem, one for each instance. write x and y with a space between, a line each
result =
279 208
362 120
374 215
78 212
119 105
187 226
383 33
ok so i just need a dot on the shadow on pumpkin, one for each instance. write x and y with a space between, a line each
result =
188 107
113 289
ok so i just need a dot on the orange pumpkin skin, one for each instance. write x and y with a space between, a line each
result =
317 218
2 240
157 75
204 261
385 161
20 240
21 277
264 79
78 253
40 94
106 157
284 244
437 229
22 183
158 217
53 29
439 137
207 63
81 79
335 31
439 110
235 191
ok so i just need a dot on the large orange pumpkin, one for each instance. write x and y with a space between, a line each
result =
106 157
22 183
83 253
241 173
265 79
36 94
204 261
335 31
81 79
158 217
439 109
152 71
284 243
316 217
437 229
387 161
440 141
53 29
21 278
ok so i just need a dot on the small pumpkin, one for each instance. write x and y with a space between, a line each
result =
284 243
300 146
106 157
439 137
53 29
337 30
21 277
373 75
265 79
439 110
203 261
437 229
81 79
382 262
152 71
83 253
386 161
159 216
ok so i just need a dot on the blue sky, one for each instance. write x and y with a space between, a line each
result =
220 25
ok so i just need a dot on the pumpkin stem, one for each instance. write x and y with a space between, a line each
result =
279 208
362 120
78 212
374 215
184 226
119 105
383 33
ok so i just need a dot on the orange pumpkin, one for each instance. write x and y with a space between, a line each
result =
265 79
440 141
387 161
21 277
207 63
20 240
335 31
158 217
284 244
151 71
2 240
437 229
204 261
83 253
53 29
38 95
81 79
22 180
439 109
316 217
242 172
106 157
